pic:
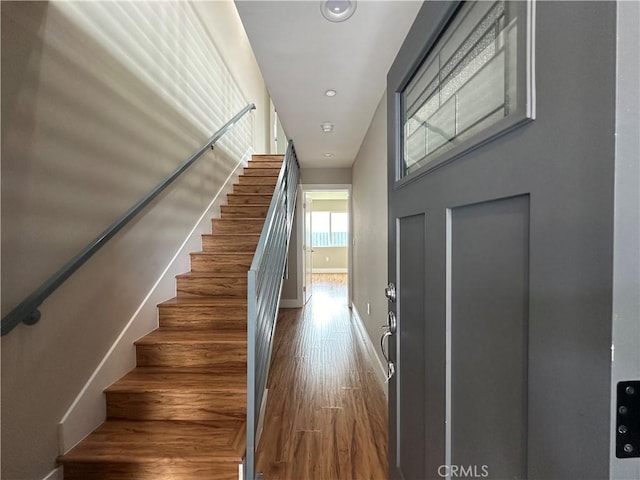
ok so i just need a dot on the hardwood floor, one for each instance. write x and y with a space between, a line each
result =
326 416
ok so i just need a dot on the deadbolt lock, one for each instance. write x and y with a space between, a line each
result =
390 292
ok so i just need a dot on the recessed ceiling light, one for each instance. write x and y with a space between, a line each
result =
330 93
338 10
327 155
327 127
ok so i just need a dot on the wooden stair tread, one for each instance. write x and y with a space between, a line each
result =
212 274
223 254
236 220
279 156
247 181
229 235
191 380
244 194
248 178
204 301
265 164
192 337
139 441
248 205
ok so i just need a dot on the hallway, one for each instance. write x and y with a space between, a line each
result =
326 413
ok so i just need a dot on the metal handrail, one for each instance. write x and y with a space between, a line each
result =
28 312
264 285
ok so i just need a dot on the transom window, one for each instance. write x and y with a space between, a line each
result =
469 81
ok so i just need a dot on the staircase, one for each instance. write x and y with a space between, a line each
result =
181 413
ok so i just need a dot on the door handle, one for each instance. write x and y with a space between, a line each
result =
391 369
391 328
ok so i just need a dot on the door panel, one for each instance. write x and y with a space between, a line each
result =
489 278
411 355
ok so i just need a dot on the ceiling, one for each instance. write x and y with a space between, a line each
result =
302 55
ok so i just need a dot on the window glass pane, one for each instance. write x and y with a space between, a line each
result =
466 84
320 229
329 229
339 229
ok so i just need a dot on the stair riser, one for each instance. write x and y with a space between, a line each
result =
243 211
175 469
204 318
267 158
230 243
266 189
223 356
264 164
222 286
253 199
201 263
219 225
249 172
257 180
176 406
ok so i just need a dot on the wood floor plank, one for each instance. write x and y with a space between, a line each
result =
326 411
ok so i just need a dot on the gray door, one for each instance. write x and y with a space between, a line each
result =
501 252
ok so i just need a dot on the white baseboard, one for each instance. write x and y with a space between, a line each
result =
291 303
55 474
88 410
376 363
330 270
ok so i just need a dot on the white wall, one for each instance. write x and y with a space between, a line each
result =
369 179
325 176
95 112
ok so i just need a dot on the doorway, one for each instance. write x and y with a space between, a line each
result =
326 251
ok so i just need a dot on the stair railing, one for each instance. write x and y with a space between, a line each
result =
263 296
28 312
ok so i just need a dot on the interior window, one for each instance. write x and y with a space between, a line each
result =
329 229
